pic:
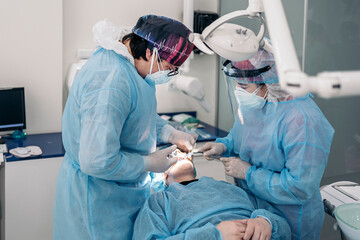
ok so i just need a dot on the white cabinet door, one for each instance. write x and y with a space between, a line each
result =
29 198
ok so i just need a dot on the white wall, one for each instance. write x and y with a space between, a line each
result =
81 15
31 57
40 38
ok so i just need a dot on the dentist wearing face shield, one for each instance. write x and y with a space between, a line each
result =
110 128
279 145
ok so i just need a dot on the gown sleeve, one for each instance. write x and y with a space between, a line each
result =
103 113
228 142
306 151
280 228
163 129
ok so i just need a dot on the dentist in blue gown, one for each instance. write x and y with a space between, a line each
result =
110 128
279 145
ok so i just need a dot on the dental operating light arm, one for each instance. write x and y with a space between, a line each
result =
291 78
283 47
233 15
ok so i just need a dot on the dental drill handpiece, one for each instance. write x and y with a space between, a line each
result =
210 158
215 157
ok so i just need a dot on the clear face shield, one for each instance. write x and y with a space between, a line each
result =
230 87
243 89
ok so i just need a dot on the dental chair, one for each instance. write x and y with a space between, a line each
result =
342 202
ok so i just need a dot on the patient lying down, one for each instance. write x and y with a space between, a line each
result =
206 209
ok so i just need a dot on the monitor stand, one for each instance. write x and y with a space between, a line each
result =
19 134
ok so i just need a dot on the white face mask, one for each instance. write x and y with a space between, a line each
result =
159 77
248 101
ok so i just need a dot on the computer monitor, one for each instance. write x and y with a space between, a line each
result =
12 109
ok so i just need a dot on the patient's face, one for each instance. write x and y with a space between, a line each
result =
182 167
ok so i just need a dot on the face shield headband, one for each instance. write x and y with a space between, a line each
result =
238 73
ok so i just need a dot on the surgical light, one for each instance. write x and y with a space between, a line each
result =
230 41
227 40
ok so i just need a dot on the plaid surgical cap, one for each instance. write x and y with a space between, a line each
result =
169 36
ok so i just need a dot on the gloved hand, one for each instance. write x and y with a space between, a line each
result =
159 162
184 141
235 167
212 149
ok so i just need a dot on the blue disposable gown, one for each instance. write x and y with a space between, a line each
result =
109 125
287 144
193 212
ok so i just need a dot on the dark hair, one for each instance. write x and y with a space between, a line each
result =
138 45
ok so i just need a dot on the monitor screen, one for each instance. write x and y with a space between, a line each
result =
12 109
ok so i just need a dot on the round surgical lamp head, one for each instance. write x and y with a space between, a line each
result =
231 41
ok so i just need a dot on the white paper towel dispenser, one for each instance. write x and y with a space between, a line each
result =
83 55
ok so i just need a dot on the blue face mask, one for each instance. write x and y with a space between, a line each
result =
159 77
157 182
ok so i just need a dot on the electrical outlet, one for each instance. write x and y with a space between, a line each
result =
3 148
2 159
